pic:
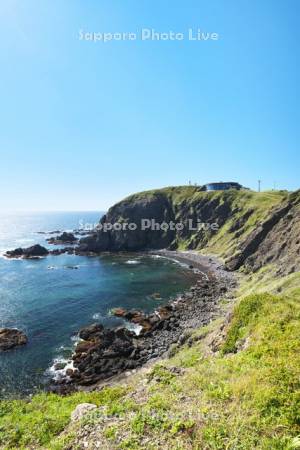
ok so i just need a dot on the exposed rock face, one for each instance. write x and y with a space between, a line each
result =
81 410
250 230
64 238
156 207
92 331
29 252
105 352
11 337
159 207
274 237
148 322
276 240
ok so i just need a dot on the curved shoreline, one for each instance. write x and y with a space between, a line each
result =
106 355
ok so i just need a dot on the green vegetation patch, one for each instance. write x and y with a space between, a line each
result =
244 397
35 422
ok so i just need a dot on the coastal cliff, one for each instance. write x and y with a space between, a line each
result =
230 379
244 228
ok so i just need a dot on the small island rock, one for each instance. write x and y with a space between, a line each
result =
29 252
64 238
11 337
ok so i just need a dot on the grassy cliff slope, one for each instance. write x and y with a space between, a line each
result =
234 384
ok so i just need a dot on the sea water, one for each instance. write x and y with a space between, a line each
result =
50 299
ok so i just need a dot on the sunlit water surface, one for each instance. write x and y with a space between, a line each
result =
52 298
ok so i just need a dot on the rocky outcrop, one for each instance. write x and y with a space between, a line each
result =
37 251
147 322
244 228
276 240
104 352
133 210
64 238
82 410
11 337
30 252
265 231
49 232
160 207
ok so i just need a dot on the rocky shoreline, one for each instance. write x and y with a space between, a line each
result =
104 353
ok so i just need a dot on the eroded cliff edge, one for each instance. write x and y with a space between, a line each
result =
249 228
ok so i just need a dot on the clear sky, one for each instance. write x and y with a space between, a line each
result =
83 124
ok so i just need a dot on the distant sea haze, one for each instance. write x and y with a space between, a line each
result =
50 301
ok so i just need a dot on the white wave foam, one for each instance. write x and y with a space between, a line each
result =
75 339
180 263
134 327
97 316
132 261
57 374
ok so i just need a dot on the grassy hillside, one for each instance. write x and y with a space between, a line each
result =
234 385
225 243
236 212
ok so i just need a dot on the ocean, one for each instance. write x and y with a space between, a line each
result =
50 299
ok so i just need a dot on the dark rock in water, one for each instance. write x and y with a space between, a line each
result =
49 232
104 353
11 337
29 252
119 312
134 316
84 347
91 331
35 250
147 322
61 251
17 253
60 365
64 238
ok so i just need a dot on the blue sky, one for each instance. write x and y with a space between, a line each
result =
83 124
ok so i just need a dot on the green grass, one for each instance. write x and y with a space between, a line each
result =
240 398
247 311
244 400
224 243
36 422
185 201
245 396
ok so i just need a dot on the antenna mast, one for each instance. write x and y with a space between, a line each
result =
259 185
